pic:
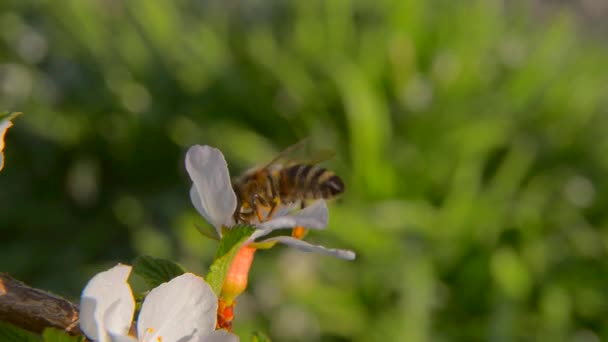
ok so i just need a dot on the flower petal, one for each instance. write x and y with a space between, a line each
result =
313 217
281 210
285 209
208 170
107 292
196 201
183 308
122 338
219 336
307 247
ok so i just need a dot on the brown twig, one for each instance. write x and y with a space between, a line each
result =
33 309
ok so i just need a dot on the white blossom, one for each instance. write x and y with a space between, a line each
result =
183 309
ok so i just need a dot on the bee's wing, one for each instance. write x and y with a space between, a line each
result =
301 152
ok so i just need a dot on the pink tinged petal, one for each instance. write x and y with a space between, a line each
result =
107 304
180 310
307 247
219 336
315 216
208 170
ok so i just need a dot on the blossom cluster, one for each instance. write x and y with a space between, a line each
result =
185 308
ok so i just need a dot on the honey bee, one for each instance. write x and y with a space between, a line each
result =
261 191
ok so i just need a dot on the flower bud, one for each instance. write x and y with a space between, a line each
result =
238 274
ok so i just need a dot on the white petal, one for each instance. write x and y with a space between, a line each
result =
285 209
107 304
196 201
182 308
209 173
307 247
122 338
219 336
281 210
313 217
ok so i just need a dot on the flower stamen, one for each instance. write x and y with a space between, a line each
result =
299 232
225 314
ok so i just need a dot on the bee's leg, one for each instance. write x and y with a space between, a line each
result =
245 217
255 198
237 216
273 207
242 217
243 213
299 232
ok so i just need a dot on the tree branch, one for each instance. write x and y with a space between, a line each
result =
33 309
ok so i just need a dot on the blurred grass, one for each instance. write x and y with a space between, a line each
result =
471 136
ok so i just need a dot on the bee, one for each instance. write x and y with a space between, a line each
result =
281 185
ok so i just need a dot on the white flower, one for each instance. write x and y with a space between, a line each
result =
213 197
183 309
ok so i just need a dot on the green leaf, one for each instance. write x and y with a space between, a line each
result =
56 335
259 337
207 231
230 244
11 333
156 271
233 236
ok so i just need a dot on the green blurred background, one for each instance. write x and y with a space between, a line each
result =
472 137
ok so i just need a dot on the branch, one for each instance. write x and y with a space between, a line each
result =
33 309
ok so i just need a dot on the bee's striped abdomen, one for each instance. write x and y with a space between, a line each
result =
333 186
305 181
